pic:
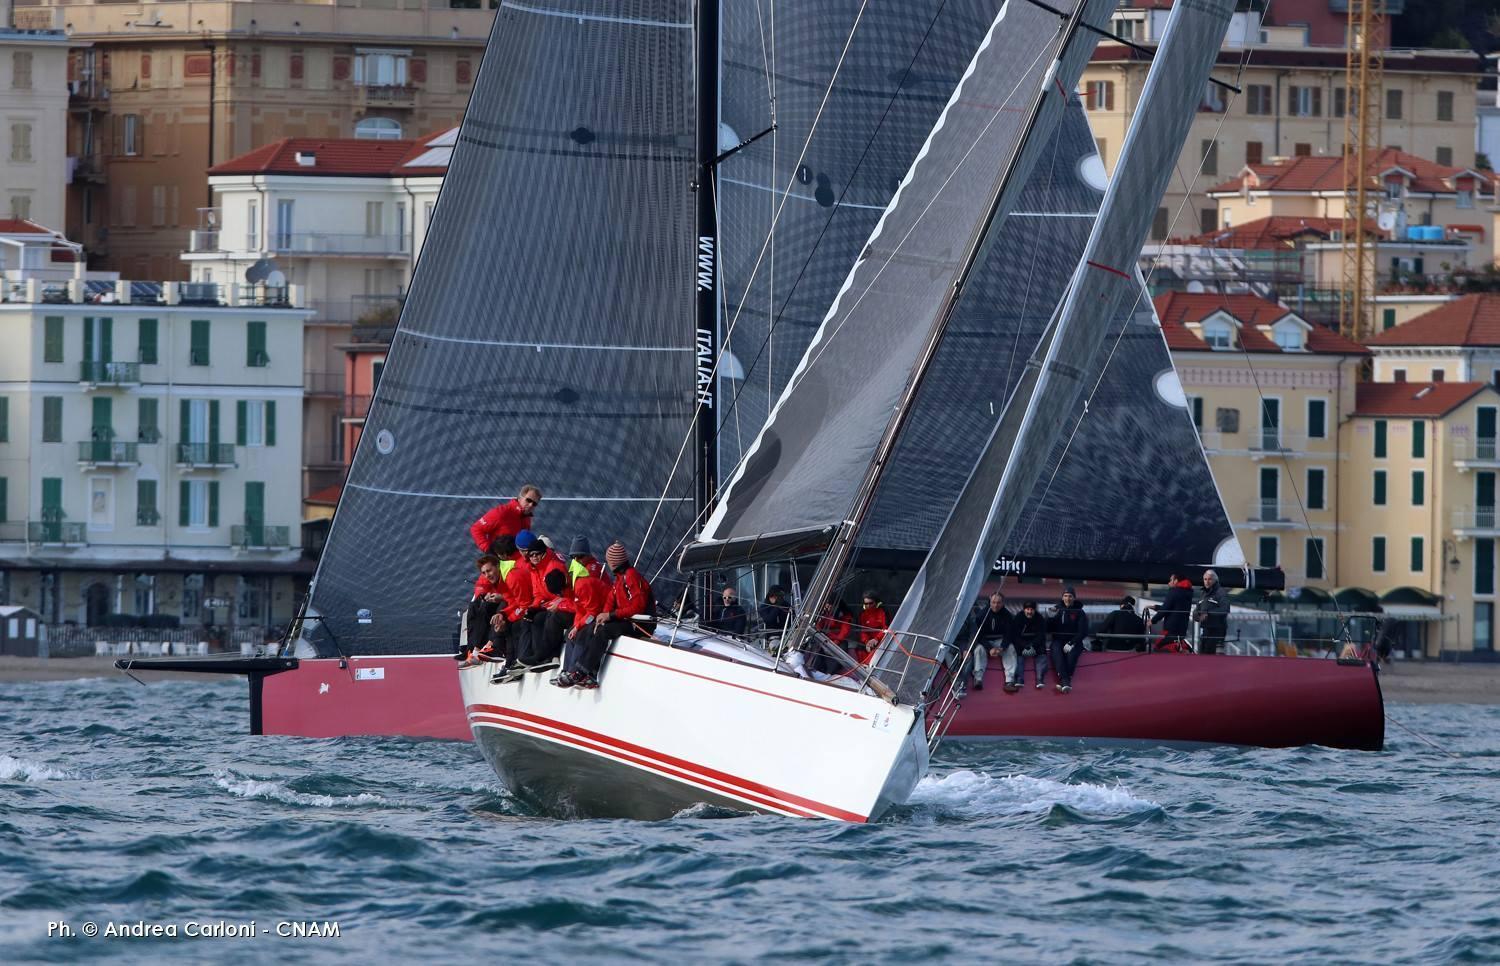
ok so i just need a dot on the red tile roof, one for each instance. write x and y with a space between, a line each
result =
333 157
1413 398
1277 231
327 496
1177 309
1325 173
1473 320
20 226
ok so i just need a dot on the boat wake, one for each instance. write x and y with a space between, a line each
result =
971 794
23 770
277 791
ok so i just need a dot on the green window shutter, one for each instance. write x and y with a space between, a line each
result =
255 344
1418 488
213 503
51 496
52 412
145 502
1484 565
184 498
148 341
4 419
106 340
88 338
213 423
1380 487
148 423
1377 554
1418 555
270 422
255 504
199 349
1380 439
52 342
1387 318
4 496
1418 438
241 420
185 412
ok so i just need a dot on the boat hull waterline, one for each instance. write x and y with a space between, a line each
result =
671 728
1173 698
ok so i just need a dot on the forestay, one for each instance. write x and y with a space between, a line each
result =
1055 382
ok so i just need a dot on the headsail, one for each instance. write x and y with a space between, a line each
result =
807 464
1003 482
547 337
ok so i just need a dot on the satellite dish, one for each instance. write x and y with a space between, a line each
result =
1195 287
1386 221
276 279
260 271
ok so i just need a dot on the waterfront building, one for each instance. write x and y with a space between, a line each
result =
166 92
33 122
149 447
1458 341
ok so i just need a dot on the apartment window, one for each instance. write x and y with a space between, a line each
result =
20 207
1258 99
1339 95
1210 149
1314 553
20 141
1317 485
198 348
1158 225
401 224
1198 412
131 137
1418 556
1387 319
1317 418
1418 488
1484 565
1444 110
1218 335
1208 220
256 422
1304 101
1398 375
148 420
374 213
1268 552
377 129
1377 554
1213 99
428 206
198 503
52 339
52 413
1302 149
4 419
252 225
1380 429
1463 198
1379 487
1393 105
1101 96
146 341
463 72
1438 375
285 211
20 72
255 344
380 68
1443 155
146 512
1254 152
1418 439
158 205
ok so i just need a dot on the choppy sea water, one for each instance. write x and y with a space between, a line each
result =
125 804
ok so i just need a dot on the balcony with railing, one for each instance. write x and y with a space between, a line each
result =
387 95
1479 521
251 536
108 452
322 383
356 408
1480 453
338 243
205 454
1273 442
147 517
364 310
1273 513
203 240
28 289
56 533
110 373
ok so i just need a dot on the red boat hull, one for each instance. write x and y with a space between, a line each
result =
1188 698
1256 701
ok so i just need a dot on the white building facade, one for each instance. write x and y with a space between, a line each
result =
33 123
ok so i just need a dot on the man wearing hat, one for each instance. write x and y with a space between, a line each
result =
1069 625
1122 630
629 597
581 561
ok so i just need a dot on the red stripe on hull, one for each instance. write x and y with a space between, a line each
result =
658 760
1259 701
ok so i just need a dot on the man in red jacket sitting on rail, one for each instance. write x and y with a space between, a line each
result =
631 610
507 519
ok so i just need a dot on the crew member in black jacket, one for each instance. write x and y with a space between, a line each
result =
1122 630
994 634
1069 626
1029 637
1175 608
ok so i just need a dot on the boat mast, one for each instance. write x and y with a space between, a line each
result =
706 304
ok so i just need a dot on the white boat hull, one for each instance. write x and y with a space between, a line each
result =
671 727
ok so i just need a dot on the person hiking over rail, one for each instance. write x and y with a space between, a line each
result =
631 610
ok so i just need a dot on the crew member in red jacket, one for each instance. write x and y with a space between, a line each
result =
513 629
551 606
488 598
873 621
631 609
509 518
591 593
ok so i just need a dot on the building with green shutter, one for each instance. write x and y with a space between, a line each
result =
150 456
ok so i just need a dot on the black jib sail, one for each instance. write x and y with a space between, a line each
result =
547 337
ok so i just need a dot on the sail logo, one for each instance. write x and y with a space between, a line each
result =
705 368
705 263
1009 565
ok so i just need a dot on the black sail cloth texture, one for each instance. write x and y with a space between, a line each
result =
548 334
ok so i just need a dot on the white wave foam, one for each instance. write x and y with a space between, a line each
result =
974 792
20 769
255 788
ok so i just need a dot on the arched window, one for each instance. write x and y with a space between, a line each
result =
377 129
